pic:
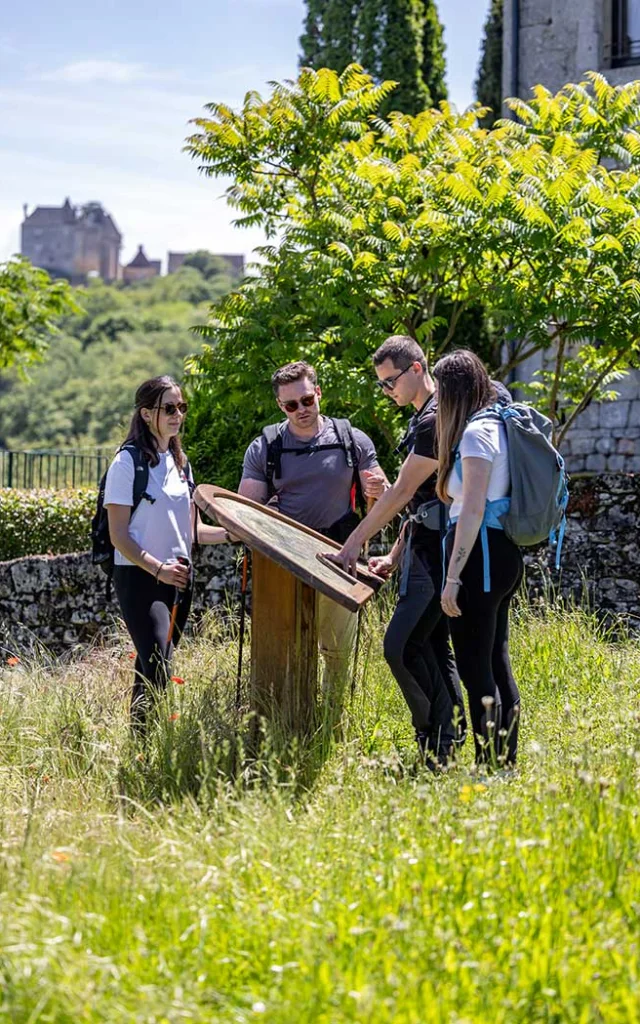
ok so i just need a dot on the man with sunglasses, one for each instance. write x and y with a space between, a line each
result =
307 467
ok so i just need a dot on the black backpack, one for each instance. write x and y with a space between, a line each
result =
102 553
273 434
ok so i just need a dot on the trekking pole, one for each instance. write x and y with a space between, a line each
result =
243 610
177 598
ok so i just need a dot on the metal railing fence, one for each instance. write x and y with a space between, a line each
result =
53 468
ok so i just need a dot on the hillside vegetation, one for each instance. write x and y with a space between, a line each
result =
81 393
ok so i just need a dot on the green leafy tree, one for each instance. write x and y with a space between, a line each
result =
407 225
396 40
30 303
489 79
210 265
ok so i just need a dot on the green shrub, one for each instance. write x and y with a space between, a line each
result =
45 522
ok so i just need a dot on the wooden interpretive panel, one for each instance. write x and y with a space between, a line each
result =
287 571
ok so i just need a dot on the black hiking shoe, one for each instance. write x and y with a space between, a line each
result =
433 755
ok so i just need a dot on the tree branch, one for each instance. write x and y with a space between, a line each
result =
587 397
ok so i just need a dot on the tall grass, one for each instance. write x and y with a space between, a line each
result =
193 880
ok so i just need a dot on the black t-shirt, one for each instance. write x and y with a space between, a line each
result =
420 439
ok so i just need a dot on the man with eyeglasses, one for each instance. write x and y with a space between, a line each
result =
308 466
416 643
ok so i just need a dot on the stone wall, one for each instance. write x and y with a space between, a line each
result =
601 553
60 600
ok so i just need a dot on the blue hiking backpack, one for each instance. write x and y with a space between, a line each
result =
536 507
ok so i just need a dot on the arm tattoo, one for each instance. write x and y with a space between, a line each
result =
461 554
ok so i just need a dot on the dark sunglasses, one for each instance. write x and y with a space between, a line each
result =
171 408
389 383
306 401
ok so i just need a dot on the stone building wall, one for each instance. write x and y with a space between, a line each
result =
61 602
606 437
558 41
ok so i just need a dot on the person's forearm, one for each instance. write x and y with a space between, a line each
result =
385 508
467 529
212 534
134 553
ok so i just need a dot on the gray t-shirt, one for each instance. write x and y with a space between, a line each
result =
314 488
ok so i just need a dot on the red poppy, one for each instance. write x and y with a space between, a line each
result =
13 660
177 680
173 717
131 655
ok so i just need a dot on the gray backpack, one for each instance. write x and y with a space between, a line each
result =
539 493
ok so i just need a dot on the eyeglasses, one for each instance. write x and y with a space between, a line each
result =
389 383
170 408
306 401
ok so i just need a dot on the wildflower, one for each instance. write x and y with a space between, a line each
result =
177 680
488 702
131 655
45 778
13 661
60 856
174 716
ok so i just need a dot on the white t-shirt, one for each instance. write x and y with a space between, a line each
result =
164 527
482 439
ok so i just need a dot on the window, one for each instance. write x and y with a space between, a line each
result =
625 32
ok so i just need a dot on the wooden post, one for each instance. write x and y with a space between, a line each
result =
284 647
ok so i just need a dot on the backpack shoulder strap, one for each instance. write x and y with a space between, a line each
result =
344 433
186 469
272 434
140 473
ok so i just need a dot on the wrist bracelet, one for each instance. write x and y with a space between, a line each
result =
159 570
457 583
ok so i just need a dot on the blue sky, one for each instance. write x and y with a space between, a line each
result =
95 100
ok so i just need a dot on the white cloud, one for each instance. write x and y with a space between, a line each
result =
89 71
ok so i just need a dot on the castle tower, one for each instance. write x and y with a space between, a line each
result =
72 242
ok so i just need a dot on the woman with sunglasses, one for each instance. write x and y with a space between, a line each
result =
152 559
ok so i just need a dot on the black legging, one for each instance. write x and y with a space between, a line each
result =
146 609
480 638
418 652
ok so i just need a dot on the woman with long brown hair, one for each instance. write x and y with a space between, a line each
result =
153 541
484 567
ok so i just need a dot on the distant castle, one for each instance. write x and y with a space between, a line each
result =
77 242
